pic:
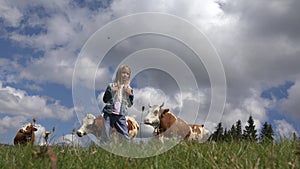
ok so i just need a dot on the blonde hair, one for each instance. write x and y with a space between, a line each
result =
118 78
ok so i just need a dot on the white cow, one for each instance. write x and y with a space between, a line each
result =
94 125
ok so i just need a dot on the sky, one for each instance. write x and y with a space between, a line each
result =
45 43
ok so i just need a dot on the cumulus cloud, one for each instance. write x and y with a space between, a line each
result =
258 51
13 122
243 56
62 43
33 87
11 14
59 36
254 106
291 105
284 129
18 103
205 12
267 18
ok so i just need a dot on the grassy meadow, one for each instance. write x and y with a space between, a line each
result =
285 154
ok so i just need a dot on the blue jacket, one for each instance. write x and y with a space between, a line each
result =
109 101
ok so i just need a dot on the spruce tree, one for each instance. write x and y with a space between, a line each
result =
226 135
239 135
263 133
232 133
267 133
250 131
218 134
270 133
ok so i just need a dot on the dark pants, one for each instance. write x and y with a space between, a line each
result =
117 121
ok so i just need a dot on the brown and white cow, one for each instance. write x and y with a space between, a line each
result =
25 135
166 124
94 125
198 133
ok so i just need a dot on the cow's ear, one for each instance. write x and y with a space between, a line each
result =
162 112
22 131
165 111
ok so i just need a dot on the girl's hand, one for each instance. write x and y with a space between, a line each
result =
115 88
128 90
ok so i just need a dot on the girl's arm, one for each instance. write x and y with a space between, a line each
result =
129 92
107 97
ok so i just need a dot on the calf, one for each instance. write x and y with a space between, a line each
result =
25 135
94 125
198 133
166 124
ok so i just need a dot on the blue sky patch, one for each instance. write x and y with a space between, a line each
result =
279 92
14 48
93 5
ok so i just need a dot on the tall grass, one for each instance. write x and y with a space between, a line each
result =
284 154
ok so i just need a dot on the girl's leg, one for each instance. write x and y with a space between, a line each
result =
106 128
121 127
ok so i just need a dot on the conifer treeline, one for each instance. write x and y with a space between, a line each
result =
235 133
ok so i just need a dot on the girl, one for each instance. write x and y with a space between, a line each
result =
118 97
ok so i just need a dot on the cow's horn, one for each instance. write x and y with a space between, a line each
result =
162 105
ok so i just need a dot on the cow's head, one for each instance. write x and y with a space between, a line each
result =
205 133
199 132
87 122
154 115
28 129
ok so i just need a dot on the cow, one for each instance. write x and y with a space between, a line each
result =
166 124
94 125
25 135
198 133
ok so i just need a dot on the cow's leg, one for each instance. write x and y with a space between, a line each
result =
161 138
